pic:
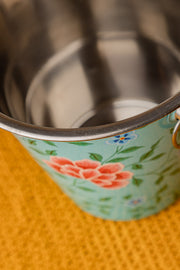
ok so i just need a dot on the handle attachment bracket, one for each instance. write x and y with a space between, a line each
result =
176 130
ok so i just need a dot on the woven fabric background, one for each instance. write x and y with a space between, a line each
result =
41 228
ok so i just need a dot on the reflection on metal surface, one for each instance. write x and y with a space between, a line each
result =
68 63
175 135
67 88
176 130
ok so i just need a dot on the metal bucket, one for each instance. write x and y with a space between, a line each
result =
91 89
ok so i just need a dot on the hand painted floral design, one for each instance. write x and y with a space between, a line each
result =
136 202
123 138
168 121
109 176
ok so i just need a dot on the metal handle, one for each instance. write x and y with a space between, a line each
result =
176 130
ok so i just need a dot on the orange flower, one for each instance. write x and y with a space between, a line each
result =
109 176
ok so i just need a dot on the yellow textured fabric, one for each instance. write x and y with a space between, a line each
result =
41 228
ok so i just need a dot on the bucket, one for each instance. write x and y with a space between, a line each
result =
91 89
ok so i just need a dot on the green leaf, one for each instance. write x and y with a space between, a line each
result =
38 151
162 189
118 159
137 166
40 161
51 152
151 208
158 199
105 199
118 149
80 143
71 190
60 175
85 203
131 149
95 156
176 171
32 142
86 189
171 130
137 182
156 144
104 211
158 156
50 143
167 169
176 195
146 155
135 210
137 216
159 180
106 207
127 197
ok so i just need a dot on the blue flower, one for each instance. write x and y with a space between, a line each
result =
123 138
136 202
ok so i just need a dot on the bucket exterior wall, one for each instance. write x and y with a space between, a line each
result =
125 177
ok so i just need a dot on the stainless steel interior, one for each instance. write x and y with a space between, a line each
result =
82 63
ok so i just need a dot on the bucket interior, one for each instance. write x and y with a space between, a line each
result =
71 64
